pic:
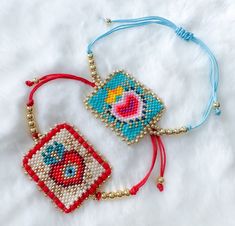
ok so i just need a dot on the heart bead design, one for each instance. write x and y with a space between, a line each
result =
129 107
69 171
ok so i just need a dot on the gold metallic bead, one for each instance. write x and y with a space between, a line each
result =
33 130
160 180
29 109
35 80
178 131
169 131
216 104
111 195
29 116
126 192
92 67
90 55
103 195
183 129
31 124
118 194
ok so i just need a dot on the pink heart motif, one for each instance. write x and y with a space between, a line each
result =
129 107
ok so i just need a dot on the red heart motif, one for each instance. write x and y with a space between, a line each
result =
128 107
70 159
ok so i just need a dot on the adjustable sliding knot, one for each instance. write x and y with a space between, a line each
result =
160 182
182 33
216 106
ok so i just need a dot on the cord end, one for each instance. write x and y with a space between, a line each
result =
31 83
160 182
108 21
160 187
216 106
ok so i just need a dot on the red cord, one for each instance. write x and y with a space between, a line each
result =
136 187
156 144
51 77
156 140
162 163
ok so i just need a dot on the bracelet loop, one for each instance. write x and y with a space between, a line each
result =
212 104
37 83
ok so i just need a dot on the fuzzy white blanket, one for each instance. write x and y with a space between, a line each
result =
41 37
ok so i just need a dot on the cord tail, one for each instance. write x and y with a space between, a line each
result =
157 145
160 179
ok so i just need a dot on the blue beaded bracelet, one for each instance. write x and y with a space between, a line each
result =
212 104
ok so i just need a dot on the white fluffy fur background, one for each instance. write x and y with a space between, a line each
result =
41 37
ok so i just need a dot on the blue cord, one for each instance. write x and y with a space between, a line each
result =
185 35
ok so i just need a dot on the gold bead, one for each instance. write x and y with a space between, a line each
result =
178 131
33 130
183 129
169 132
103 195
92 67
31 124
111 195
29 108
126 192
35 80
29 116
118 194
216 104
160 180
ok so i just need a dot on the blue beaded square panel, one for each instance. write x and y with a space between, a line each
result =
126 106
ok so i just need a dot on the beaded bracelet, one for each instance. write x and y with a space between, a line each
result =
66 167
127 106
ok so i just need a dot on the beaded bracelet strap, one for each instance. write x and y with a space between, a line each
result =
128 107
66 167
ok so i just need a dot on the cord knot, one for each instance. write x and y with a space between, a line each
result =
182 33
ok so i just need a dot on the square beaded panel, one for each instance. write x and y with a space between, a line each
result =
125 105
66 167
